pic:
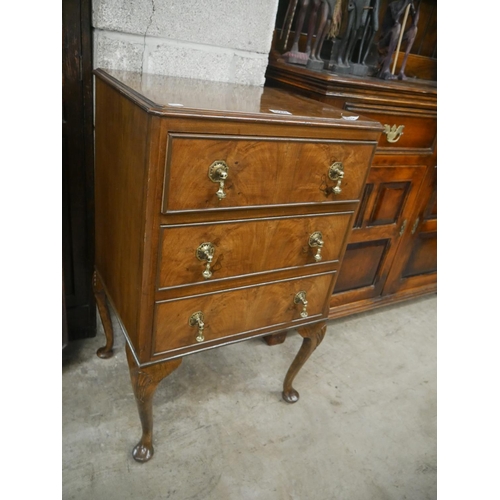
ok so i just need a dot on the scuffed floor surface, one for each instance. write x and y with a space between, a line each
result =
364 428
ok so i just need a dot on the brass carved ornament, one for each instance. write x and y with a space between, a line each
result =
336 173
205 252
394 133
197 319
300 298
316 241
218 172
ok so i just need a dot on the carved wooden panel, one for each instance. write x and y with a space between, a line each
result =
416 264
382 219
363 204
423 258
362 262
386 196
430 211
389 203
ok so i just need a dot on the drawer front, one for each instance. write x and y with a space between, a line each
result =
260 171
404 129
247 247
235 312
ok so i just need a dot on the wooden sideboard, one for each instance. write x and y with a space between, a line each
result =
222 214
392 251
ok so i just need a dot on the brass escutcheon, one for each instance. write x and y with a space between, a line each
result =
336 173
316 241
206 252
218 172
300 298
393 133
196 319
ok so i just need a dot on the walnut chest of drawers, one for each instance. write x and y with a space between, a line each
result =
222 213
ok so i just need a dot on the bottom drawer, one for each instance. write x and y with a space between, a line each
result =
240 311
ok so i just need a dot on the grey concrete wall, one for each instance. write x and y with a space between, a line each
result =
219 40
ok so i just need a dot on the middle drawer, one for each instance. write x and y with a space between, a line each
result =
194 253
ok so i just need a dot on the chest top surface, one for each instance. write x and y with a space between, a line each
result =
177 97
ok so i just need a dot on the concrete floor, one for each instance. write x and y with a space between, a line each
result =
364 428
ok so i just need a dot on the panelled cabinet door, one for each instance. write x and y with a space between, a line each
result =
382 221
418 265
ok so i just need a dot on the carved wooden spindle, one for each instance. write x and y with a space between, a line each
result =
106 351
145 380
313 335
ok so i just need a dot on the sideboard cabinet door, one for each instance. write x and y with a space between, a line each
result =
415 265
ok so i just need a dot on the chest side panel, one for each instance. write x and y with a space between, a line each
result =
121 131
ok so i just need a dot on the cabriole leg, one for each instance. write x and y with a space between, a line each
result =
100 298
144 382
313 335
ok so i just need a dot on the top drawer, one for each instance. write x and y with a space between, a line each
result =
406 130
261 171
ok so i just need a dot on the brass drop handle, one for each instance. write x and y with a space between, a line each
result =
218 172
336 173
316 241
300 298
196 319
206 252
394 133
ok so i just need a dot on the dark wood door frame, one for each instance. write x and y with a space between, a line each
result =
77 167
